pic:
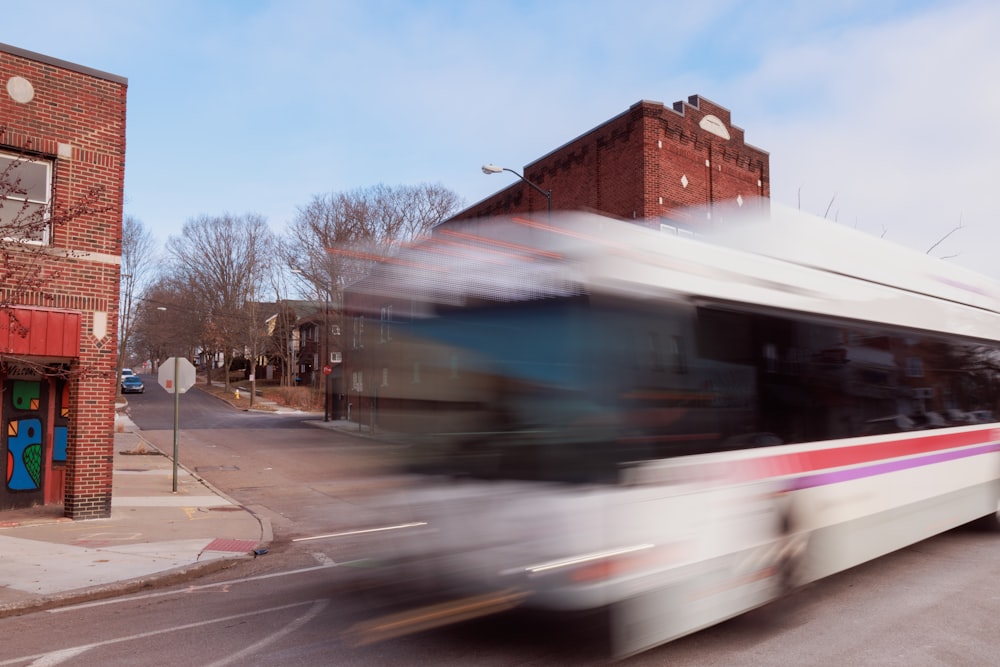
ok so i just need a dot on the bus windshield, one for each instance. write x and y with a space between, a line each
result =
562 390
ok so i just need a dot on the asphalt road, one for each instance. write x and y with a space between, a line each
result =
904 610
935 603
305 479
153 410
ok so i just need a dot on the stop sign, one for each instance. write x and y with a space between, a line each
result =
327 369
184 379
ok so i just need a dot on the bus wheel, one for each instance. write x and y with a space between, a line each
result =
989 523
791 560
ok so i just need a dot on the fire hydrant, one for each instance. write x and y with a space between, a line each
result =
237 394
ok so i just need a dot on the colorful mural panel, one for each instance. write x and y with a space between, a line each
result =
23 439
60 433
24 455
26 395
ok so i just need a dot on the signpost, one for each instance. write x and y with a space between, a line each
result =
176 375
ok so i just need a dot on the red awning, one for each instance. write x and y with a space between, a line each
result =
40 332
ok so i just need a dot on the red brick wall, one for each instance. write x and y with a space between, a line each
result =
76 118
645 164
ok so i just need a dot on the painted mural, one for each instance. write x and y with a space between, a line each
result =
23 433
60 433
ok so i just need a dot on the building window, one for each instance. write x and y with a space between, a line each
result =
385 333
25 193
385 377
359 332
914 367
674 230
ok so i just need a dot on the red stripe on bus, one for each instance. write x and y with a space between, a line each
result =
795 463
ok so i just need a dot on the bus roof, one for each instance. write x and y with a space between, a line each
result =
784 260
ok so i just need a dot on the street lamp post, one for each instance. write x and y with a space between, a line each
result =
326 356
125 314
495 169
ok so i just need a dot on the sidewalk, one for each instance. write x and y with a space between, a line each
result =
154 536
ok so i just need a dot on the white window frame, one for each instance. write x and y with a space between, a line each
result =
385 332
359 332
15 203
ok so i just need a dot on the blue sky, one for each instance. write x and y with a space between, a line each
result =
884 112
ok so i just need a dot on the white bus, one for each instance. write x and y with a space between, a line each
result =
675 430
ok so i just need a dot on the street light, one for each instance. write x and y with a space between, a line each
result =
496 169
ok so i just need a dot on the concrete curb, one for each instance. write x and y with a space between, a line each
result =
266 532
118 588
18 602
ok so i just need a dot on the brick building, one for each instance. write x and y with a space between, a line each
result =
661 167
62 140
652 164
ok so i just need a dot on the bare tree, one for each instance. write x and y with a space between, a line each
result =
281 338
168 320
279 328
137 267
27 221
225 260
943 238
257 340
336 237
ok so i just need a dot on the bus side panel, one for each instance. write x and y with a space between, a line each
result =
734 563
852 522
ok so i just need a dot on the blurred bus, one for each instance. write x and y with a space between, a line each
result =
673 429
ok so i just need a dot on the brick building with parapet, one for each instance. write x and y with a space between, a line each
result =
652 164
62 139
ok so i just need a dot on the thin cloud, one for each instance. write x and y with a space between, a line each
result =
896 128
881 112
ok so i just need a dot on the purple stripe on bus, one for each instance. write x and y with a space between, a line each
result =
822 479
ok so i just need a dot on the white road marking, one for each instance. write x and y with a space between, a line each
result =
361 532
317 607
57 657
322 558
189 589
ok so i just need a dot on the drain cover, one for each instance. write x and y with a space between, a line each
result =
223 544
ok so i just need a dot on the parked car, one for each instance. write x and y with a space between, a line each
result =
132 384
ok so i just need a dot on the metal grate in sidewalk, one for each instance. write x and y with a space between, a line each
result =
224 544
